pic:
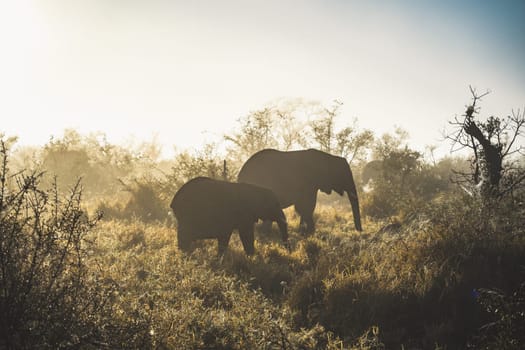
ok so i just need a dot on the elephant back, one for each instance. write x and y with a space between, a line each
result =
287 174
220 201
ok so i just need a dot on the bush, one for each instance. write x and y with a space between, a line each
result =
48 298
506 329
416 285
146 202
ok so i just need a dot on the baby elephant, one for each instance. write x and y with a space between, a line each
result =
208 208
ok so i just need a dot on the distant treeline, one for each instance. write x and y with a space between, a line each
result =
134 181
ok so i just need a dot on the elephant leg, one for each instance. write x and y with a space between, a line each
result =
224 240
246 235
305 208
183 238
307 225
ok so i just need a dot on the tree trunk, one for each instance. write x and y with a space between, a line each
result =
492 157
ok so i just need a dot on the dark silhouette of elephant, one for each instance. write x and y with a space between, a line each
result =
296 176
208 208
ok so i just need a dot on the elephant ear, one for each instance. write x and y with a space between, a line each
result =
326 171
246 208
264 205
313 168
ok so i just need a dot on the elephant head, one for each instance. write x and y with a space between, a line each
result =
263 205
332 173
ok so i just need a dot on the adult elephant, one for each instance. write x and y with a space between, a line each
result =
208 208
296 176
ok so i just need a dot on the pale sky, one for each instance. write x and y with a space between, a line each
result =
187 70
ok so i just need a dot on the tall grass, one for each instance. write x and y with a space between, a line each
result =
417 287
190 302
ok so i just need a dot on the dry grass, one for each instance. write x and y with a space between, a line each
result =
335 289
194 302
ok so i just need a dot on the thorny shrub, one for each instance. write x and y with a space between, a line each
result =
48 298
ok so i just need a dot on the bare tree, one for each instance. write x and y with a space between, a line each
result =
493 142
271 127
323 128
348 142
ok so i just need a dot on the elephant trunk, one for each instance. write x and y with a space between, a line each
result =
354 202
283 228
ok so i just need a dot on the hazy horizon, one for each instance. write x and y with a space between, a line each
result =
186 72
